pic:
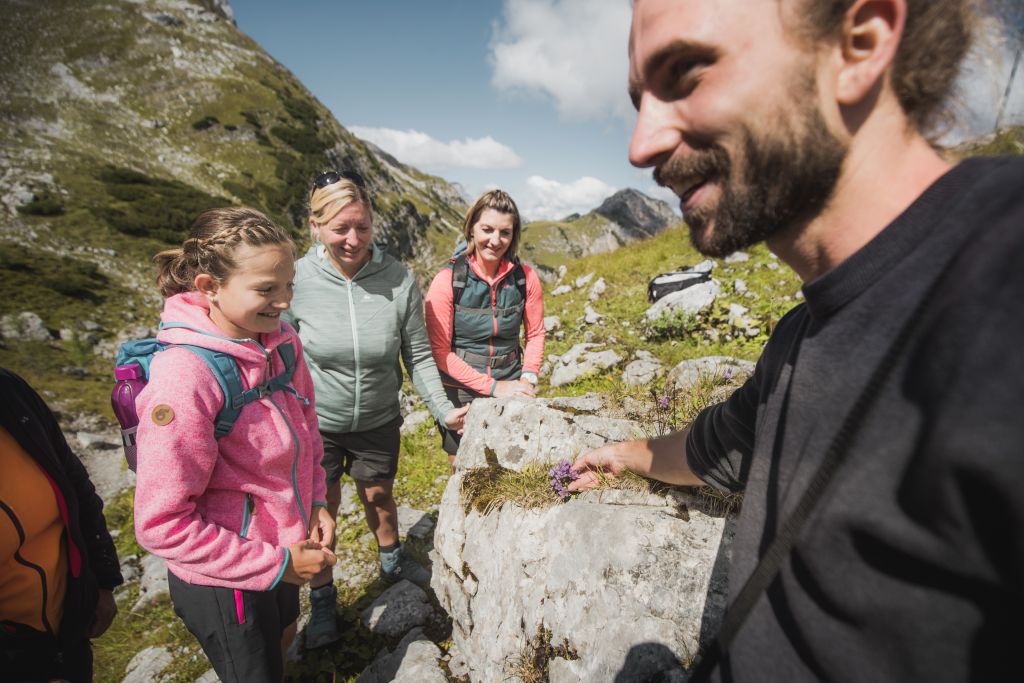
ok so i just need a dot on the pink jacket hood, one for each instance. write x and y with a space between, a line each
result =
222 512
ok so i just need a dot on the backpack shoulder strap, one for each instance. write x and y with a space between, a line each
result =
225 371
283 381
520 278
460 275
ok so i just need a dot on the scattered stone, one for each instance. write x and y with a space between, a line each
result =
740 286
691 300
414 419
588 403
562 270
145 667
687 373
154 580
26 326
589 336
398 610
583 280
737 257
552 323
597 290
590 316
414 660
100 441
166 20
559 335
73 371
414 523
644 370
799 296
210 677
772 265
579 361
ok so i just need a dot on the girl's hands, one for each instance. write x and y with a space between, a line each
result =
307 559
455 419
321 527
514 387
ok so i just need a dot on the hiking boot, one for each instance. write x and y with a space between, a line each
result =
322 628
396 565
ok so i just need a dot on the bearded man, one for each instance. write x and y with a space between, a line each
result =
880 441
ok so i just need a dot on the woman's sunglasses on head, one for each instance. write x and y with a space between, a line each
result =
330 177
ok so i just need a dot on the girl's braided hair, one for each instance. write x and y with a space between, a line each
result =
211 245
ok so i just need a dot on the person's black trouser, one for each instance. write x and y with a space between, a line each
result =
33 658
239 630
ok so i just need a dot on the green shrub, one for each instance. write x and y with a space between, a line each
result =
43 204
64 275
205 122
673 325
151 207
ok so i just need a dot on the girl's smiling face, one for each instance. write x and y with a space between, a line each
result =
492 235
251 300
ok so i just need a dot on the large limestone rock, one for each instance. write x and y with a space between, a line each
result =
621 584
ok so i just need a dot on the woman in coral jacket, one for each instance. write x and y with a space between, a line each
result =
476 306
240 519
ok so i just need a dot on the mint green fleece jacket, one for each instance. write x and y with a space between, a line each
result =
353 334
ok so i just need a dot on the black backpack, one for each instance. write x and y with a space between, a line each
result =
675 281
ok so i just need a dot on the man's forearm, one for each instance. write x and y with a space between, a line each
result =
663 458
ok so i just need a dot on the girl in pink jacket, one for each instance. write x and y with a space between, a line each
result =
241 520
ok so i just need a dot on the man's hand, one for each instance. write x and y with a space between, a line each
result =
106 610
513 387
321 527
455 419
663 458
307 559
606 461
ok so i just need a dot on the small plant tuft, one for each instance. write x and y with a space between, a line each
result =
533 662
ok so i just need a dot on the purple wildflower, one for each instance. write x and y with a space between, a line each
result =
663 402
560 475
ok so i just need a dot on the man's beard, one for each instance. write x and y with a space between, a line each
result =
786 177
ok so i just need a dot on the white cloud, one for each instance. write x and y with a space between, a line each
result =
572 50
419 149
551 200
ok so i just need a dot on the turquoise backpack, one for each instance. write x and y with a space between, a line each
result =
225 371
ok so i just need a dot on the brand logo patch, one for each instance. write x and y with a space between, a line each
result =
162 415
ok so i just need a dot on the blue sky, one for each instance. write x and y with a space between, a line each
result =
527 95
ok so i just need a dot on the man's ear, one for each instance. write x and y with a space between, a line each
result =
206 285
872 30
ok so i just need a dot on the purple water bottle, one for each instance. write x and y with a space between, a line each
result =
130 382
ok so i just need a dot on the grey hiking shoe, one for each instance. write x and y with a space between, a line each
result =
322 628
396 566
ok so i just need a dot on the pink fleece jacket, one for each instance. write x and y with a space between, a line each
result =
439 312
223 512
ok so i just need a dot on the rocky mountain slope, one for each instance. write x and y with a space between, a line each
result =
626 216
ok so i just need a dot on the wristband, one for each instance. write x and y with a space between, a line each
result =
530 377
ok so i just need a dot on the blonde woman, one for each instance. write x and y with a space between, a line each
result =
359 315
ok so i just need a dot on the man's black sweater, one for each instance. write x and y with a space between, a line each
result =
912 566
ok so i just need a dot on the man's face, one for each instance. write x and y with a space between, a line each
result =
730 118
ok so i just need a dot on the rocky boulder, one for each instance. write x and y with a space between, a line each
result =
614 585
